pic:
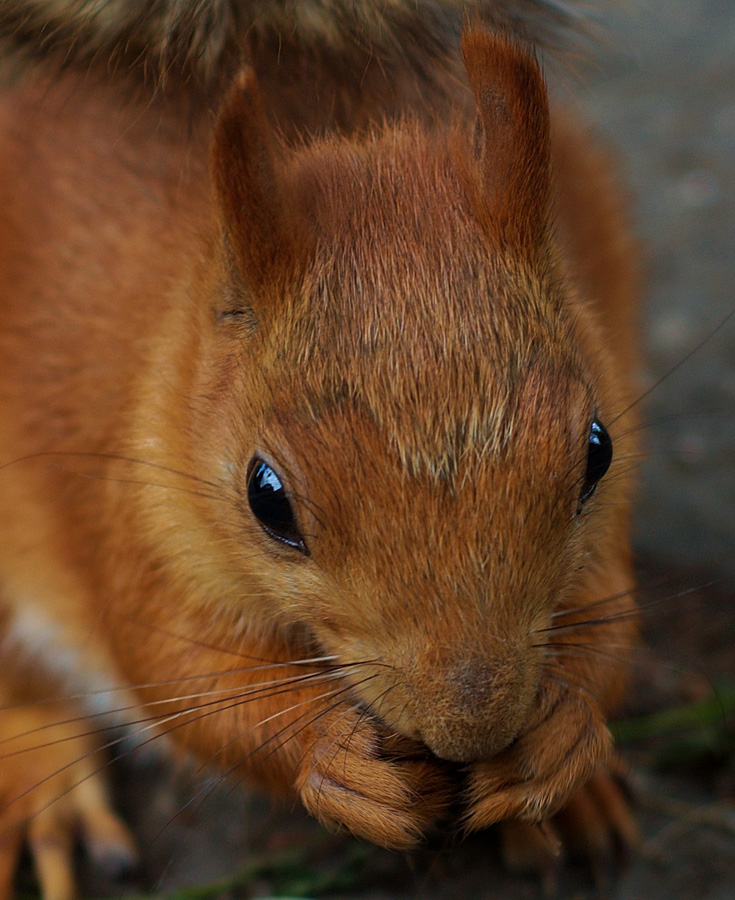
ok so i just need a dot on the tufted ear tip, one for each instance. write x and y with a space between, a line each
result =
513 135
245 181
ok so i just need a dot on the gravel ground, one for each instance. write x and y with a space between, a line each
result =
662 91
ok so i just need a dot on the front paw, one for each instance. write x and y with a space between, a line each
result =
537 775
596 826
356 775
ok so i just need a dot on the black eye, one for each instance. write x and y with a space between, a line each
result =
271 507
599 457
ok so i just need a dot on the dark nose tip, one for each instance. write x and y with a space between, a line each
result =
476 709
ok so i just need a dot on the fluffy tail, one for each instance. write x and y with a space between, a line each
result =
198 42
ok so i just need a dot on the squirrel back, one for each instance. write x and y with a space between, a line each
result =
324 65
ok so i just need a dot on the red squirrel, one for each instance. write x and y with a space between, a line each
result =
316 433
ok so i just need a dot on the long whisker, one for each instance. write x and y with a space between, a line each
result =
367 710
600 621
322 712
155 723
559 677
589 651
675 368
204 792
271 739
157 484
197 642
291 681
206 676
337 741
632 613
238 698
558 652
345 688
286 710
673 417
560 647
641 607
114 457
575 610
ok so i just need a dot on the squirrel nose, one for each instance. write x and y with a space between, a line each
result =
475 709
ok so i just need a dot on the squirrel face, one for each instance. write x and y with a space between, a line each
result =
392 383
435 584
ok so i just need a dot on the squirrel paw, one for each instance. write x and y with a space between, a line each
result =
51 791
376 785
596 826
538 774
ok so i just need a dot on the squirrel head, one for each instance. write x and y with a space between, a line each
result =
395 384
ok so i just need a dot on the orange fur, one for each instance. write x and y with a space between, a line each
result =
413 326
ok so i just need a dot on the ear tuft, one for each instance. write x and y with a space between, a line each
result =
245 182
513 140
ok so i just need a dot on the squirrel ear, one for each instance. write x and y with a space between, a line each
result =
245 184
513 140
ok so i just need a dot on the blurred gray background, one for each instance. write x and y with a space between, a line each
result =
661 89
